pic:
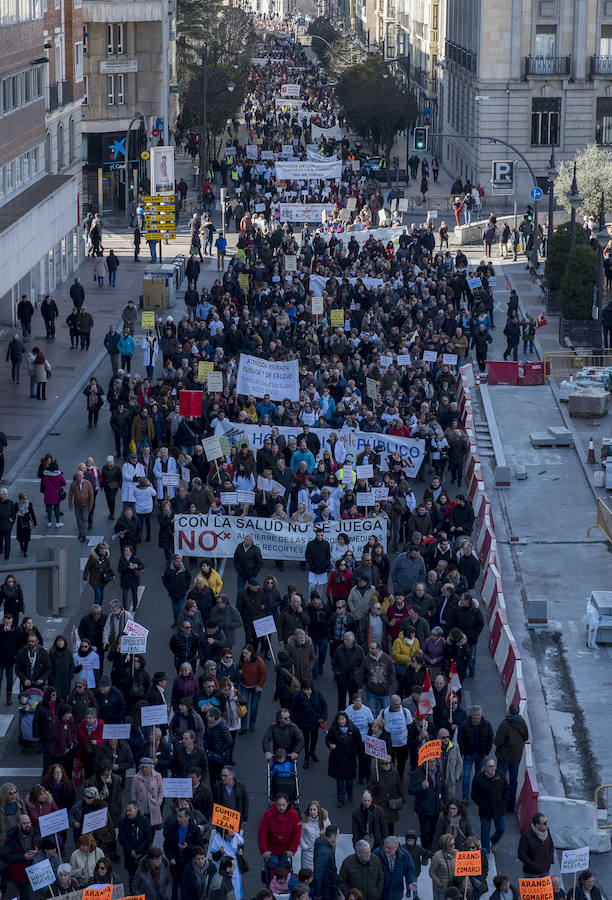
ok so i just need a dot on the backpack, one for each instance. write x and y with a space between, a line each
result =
293 685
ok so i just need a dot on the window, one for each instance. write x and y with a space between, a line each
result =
78 61
78 4
603 120
60 148
110 87
85 89
605 41
71 140
119 41
434 18
48 153
28 79
110 47
120 89
85 39
546 41
545 112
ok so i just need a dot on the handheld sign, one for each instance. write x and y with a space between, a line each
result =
228 819
214 382
468 862
264 626
94 820
404 359
536 888
53 822
171 479
148 319
316 305
449 359
365 498
243 281
212 448
156 715
337 318
375 747
133 643
365 471
429 750
245 497
103 892
372 388
134 628
430 356
204 368
575 860
40 875
119 732
178 787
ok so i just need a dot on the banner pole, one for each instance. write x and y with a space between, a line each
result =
270 648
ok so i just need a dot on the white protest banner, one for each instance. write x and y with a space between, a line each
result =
372 388
116 732
365 471
288 103
94 820
252 151
133 643
309 170
178 787
267 154
260 60
449 359
40 875
375 747
304 212
386 361
430 356
290 263
432 213
198 534
404 359
373 234
264 376
290 90
154 715
260 207
316 305
574 860
333 131
212 448
229 498
214 382
265 625
318 282
411 450
245 496
170 480
135 628
474 283
53 822
365 498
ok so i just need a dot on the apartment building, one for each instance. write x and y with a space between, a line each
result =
39 235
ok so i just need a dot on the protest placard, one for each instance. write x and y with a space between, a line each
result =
214 382
156 715
245 497
386 361
185 474
178 787
96 819
316 305
212 448
243 281
372 388
170 479
120 731
430 356
290 263
135 628
225 818
375 747
365 471
536 888
365 498
575 860
468 862
449 359
280 379
40 875
351 203
336 318
53 822
265 625
147 319
190 402
133 643
380 493
404 359
474 283
98 892
204 368
429 750
229 498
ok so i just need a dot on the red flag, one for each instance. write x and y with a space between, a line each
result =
541 320
427 701
454 684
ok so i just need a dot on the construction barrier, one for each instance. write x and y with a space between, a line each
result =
532 373
501 372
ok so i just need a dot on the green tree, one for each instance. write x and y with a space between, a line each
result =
374 104
593 175
343 54
558 249
578 282
322 28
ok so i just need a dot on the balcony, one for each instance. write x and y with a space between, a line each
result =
601 65
459 55
58 94
546 66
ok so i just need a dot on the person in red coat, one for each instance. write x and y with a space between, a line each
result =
89 740
340 582
279 833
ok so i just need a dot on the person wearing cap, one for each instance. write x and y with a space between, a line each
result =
156 694
294 616
148 791
318 560
247 562
110 701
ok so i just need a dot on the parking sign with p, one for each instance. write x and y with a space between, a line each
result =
502 174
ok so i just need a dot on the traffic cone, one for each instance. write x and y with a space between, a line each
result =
477 382
591 452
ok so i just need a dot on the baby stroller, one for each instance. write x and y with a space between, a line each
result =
285 784
28 701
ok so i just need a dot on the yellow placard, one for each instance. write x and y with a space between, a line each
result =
337 318
243 281
203 369
148 319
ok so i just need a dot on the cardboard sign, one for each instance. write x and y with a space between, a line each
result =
228 819
432 213
96 819
449 359
430 356
178 787
185 474
148 319
214 382
365 498
404 359
536 888
429 750
212 448
365 471
135 628
53 822
316 305
386 361
375 747
372 388
337 318
203 370
575 860
119 732
243 281
170 479
156 715
103 892
351 203
468 862
132 643
40 875
190 402
265 625
229 498
245 497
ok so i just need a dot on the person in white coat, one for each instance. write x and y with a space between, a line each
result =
164 465
150 352
314 822
132 471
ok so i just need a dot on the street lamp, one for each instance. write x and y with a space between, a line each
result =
603 238
552 174
575 201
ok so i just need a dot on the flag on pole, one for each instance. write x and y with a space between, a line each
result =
454 684
427 701
541 320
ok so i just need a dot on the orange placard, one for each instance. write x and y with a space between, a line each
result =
103 893
536 888
468 862
228 819
136 897
429 750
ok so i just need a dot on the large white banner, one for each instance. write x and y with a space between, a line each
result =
290 90
281 380
309 170
377 234
411 450
317 132
288 103
318 282
304 212
196 535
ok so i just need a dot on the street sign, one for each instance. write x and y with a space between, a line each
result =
502 174
536 193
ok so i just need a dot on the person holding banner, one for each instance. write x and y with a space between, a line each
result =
426 785
442 867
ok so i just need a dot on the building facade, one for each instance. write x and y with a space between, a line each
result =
39 234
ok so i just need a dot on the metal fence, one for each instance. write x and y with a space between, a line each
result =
563 363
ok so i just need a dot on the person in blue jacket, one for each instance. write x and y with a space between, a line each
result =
398 869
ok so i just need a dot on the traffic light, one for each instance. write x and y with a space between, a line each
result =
529 213
420 138
395 162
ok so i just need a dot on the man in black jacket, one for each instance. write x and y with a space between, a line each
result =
368 821
318 560
77 294
251 604
177 850
109 701
283 734
177 581
468 618
8 511
346 661
475 739
231 793
135 836
490 794
247 561
325 872
187 755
